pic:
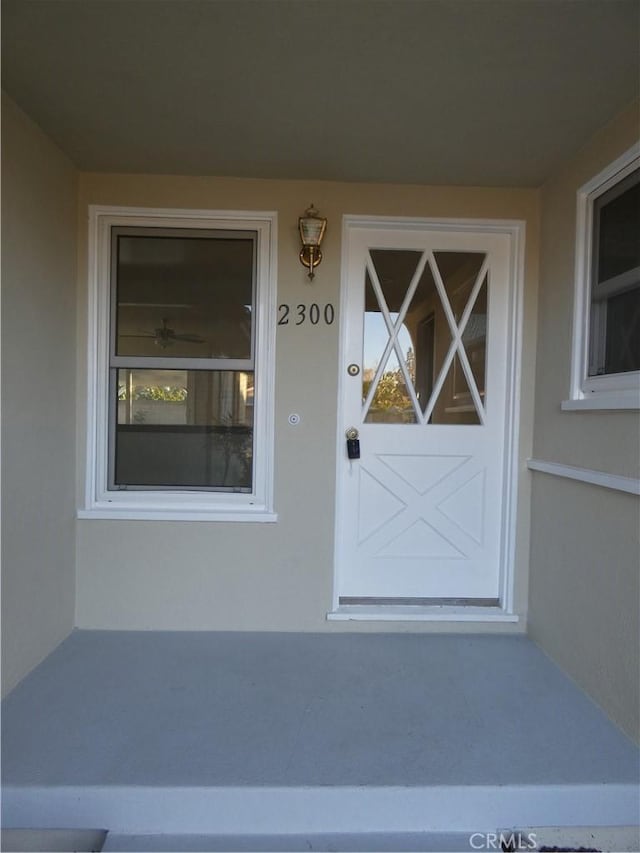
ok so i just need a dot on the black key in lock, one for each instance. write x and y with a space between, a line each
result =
353 444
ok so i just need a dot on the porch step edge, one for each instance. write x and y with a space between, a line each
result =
342 809
368 842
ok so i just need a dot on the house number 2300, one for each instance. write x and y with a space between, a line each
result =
301 313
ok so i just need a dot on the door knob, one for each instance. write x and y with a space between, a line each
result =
353 443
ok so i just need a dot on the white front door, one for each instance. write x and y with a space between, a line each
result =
424 382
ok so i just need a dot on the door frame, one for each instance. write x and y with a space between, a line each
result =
515 229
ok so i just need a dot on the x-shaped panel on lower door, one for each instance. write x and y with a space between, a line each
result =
430 506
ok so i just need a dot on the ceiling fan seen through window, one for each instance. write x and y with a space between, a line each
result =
164 336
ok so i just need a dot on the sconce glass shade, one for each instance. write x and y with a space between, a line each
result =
312 228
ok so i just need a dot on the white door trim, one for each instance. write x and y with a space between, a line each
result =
515 230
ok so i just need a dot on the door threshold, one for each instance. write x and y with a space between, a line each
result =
420 613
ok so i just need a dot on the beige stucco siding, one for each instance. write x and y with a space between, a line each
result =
39 229
243 576
603 441
585 555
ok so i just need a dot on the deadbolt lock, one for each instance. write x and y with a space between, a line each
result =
353 369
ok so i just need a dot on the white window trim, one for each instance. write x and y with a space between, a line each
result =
615 391
99 501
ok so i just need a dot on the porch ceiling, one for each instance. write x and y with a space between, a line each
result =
470 92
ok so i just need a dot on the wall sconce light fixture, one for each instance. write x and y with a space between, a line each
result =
312 228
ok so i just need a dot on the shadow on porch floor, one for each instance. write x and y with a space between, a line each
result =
148 732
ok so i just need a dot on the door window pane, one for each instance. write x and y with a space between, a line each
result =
474 339
425 359
429 329
395 269
455 405
418 351
391 401
459 272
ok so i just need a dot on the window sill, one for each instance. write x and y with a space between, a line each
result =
603 402
121 513
398 613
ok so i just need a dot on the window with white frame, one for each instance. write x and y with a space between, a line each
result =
606 350
181 364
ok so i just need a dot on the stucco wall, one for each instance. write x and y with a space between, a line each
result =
39 229
585 557
242 576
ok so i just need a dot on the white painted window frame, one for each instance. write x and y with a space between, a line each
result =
174 504
617 390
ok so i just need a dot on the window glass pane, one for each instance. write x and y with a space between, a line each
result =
614 321
395 268
474 339
617 224
455 405
376 338
459 272
425 359
424 338
623 332
184 428
391 402
183 296
430 331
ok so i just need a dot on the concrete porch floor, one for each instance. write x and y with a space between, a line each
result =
149 732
